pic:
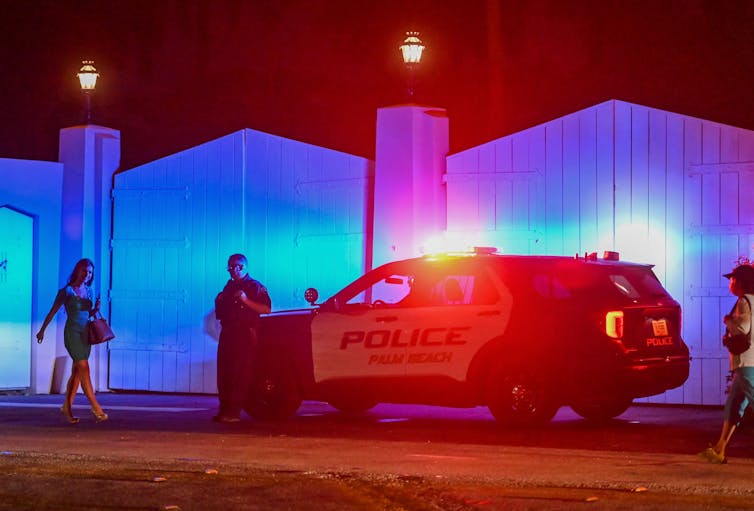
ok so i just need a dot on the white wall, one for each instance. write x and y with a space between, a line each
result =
35 188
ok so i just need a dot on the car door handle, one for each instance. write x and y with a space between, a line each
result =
489 313
386 319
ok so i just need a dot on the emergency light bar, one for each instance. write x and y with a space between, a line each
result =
477 250
607 255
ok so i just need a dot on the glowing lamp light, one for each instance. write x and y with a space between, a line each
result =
412 49
88 76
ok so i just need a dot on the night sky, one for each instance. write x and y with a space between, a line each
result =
176 73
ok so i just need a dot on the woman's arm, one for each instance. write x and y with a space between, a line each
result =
53 310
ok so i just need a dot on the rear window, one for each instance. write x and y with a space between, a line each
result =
637 282
633 283
564 280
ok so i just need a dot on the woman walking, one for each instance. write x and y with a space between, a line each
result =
741 394
78 299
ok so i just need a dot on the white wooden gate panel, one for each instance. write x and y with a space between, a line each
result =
719 230
615 176
178 219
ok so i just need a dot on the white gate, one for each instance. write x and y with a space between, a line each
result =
720 228
297 211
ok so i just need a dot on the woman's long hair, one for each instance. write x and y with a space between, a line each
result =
83 263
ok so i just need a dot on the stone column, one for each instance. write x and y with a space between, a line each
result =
90 155
409 191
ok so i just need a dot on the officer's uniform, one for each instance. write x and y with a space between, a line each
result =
236 351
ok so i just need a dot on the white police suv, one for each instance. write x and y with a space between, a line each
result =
522 335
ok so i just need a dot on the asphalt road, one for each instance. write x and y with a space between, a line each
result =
163 452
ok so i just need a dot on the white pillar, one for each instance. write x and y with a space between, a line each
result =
409 192
90 155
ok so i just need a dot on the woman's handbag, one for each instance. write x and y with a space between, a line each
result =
738 343
98 331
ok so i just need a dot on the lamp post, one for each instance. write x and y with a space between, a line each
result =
88 80
411 50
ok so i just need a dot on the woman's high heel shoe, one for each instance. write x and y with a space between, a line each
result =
66 411
101 416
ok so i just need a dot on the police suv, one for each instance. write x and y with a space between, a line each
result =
522 335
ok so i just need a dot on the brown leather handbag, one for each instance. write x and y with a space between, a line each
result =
98 331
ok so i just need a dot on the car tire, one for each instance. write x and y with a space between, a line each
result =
520 396
351 405
602 410
274 394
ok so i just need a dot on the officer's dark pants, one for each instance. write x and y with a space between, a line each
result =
235 366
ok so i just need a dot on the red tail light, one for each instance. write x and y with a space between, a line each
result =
614 324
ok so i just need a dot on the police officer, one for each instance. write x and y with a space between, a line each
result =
237 307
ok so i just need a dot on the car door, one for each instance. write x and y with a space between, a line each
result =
362 333
466 311
423 318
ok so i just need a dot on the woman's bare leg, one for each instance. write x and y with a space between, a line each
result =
84 376
725 435
71 388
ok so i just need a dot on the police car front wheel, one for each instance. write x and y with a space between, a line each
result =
520 396
352 405
274 394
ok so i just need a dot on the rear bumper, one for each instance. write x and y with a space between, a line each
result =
628 377
642 378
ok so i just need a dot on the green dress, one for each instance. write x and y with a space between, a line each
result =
77 310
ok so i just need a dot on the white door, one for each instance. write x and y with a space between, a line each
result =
16 244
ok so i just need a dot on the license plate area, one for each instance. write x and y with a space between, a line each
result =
660 328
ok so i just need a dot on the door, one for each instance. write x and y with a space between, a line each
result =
16 243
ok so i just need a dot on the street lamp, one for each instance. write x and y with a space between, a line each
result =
88 79
411 50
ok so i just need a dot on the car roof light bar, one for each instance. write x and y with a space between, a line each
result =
607 255
473 251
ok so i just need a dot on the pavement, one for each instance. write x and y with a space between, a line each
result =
647 448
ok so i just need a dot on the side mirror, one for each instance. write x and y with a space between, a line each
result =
331 304
311 295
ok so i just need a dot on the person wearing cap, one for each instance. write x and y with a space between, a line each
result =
741 394
237 307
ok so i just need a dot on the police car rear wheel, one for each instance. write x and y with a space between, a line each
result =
519 397
602 410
